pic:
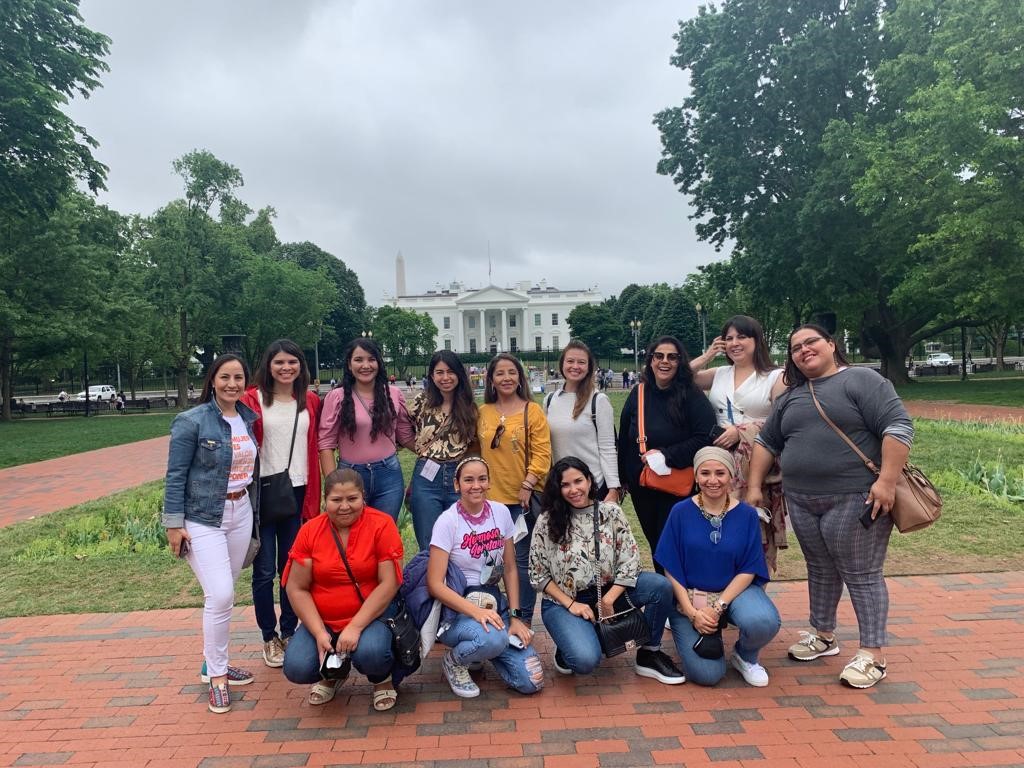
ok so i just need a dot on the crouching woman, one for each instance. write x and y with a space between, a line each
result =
342 577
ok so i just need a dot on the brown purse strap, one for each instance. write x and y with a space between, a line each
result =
641 434
526 429
853 446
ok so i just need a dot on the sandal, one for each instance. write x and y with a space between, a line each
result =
384 698
322 692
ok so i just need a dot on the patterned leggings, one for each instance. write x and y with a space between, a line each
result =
838 551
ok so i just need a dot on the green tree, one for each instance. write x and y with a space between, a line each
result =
404 336
196 262
47 55
598 327
349 315
59 294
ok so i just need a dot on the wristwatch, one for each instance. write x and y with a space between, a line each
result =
723 607
515 613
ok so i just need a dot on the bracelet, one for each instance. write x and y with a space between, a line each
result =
526 485
570 605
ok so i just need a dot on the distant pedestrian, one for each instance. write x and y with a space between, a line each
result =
62 396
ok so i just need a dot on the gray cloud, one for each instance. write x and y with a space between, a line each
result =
430 128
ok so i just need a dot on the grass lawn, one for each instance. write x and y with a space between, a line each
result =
1004 388
27 440
109 555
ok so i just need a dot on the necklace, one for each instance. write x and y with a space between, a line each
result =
477 519
709 516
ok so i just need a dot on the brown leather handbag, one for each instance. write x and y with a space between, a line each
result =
679 482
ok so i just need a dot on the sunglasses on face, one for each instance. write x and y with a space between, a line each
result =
672 357
806 343
496 440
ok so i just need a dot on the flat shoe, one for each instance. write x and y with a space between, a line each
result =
321 693
385 698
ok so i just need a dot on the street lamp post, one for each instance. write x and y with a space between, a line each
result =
703 326
634 326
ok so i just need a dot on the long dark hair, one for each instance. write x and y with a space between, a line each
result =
558 509
463 404
793 376
490 394
207 394
680 385
750 328
586 387
264 379
384 415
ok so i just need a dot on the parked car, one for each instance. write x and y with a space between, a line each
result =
99 392
939 358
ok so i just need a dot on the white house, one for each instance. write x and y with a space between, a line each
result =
492 319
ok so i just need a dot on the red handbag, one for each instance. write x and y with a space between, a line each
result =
679 482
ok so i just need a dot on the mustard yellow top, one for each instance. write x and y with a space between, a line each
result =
507 462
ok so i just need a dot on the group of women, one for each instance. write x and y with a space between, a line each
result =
528 495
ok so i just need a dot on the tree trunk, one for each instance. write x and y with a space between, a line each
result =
181 369
6 382
893 346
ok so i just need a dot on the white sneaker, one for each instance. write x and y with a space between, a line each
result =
862 671
753 673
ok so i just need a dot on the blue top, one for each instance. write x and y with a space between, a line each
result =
685 549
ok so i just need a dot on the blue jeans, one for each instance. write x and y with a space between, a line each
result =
429 498
527 594
383 484
372 657
520 668
576 638
753 612
276 541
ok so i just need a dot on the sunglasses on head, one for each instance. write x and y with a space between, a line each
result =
496 440
672 357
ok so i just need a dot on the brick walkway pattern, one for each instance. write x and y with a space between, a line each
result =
123 690
27 490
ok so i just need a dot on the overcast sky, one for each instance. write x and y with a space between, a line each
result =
431 128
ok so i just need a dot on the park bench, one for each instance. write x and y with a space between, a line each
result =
136 406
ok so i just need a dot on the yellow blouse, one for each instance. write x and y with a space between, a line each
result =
507 462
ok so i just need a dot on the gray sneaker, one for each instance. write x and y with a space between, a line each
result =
813 646
863 671
458 677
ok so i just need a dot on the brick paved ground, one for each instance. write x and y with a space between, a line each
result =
27 490
123 689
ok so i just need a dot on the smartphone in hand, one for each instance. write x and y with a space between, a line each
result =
183 549
866 519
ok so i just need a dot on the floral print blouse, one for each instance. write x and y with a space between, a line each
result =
571 566
435 437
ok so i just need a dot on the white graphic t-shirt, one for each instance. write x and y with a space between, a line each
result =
472 547
243 455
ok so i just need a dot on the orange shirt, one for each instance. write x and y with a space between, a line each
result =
372 538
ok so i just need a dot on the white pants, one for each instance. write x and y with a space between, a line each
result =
216 556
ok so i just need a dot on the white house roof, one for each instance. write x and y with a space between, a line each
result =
492 294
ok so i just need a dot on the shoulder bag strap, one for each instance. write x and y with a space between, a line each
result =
295 427
547 402
641 435
526 429
597 564
341 551
593 413
853 446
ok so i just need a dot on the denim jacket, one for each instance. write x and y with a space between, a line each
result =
198 465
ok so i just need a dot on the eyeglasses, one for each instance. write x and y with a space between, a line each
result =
806 343
672 357
716 529
496 440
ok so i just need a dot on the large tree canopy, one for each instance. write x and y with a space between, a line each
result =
819 139
47 55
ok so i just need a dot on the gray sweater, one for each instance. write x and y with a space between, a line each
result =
813 457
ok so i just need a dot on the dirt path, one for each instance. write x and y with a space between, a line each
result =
947 409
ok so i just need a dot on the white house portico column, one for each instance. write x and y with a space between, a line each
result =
460 332
504 329
481 338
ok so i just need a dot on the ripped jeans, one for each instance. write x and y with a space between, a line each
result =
470 642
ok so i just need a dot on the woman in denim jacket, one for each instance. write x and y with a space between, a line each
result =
210 497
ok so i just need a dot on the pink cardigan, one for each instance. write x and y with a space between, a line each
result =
362 450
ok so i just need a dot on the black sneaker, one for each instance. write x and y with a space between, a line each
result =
560 664
658 666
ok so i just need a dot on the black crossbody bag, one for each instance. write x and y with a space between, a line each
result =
405 637
624 630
